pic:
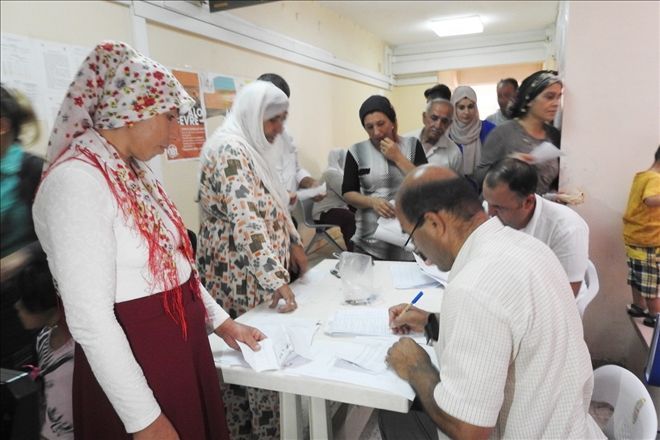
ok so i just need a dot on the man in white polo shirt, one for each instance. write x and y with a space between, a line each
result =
512 356
509 189
439 149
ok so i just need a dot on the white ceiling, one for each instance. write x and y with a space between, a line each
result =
406 22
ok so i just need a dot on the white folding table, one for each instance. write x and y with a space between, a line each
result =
319 296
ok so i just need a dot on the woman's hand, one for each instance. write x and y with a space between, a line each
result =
298 260
390 150
231 331
382 207
286 293
159 429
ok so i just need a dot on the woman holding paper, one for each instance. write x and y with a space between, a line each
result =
374 171
247 241
533 111
119 252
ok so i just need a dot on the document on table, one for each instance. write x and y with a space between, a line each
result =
432 271
360 321
389 230
369 356
329 365
310 193
408 275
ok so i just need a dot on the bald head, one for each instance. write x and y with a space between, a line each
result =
430 188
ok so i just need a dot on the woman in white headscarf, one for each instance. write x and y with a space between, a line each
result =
119 252
247 241
333 210
467 130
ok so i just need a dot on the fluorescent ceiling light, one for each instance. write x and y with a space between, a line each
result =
457 26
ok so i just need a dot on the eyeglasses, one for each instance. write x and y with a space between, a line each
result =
419 222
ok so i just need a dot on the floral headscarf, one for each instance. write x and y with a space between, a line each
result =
531 87
115 87
467 134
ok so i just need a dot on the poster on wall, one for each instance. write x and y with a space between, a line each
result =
41 70
188 136
219 92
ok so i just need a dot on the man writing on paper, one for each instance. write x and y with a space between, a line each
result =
513 361
510 187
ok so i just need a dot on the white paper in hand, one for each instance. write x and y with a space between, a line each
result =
389 230
544 152
310 193
275 351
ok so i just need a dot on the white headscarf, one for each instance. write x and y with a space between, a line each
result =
337 159
255 103
467 134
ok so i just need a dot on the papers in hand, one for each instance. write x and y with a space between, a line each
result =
544 152
309 193
282 345
389 230
360 321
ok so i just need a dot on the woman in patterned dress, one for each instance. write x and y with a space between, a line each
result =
247 241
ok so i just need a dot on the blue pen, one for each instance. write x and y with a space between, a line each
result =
413 302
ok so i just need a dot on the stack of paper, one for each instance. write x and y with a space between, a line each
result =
409 276
432 271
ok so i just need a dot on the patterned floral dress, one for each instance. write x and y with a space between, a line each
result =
242 258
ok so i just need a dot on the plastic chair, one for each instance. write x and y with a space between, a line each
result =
321 229
589 290
634 415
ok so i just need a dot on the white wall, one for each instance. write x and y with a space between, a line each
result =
611 129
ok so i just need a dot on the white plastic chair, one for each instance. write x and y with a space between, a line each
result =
589 289
321 229
634 415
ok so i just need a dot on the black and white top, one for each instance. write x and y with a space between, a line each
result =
367 171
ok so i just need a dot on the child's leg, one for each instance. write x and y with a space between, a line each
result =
653 305
638 299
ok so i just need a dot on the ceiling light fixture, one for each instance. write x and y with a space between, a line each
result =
457 26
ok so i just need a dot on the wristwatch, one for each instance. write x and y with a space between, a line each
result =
432 328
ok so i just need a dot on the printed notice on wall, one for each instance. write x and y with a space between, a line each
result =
188 136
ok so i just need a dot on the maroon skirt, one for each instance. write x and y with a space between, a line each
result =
181 373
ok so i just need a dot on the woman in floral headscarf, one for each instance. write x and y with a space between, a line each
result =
121 257
533 110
